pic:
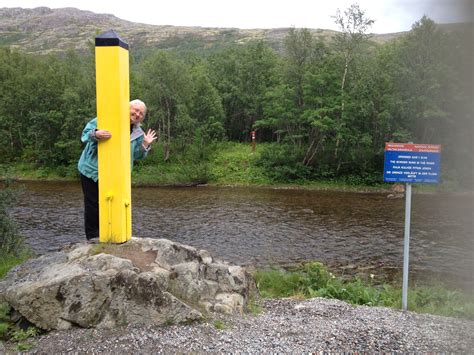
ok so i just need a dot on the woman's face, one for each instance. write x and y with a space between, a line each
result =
137 113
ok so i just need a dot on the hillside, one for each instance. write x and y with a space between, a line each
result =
43 30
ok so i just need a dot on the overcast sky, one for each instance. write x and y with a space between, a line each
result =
389 15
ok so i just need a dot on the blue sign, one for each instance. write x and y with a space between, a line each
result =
412 163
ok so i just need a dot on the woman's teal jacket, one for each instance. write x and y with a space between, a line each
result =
87 164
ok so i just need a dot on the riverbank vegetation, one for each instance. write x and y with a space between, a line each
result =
12 248
12 252
314 280
322 111
225 164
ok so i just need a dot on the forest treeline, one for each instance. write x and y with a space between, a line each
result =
326 108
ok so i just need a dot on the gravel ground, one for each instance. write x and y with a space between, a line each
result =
283 326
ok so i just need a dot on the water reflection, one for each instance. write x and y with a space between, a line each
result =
267 226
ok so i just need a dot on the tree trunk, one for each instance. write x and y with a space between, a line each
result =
313 148
343 85
339 162
311 152
11 140
166 152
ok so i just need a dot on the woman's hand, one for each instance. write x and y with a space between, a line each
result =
102 134
149 138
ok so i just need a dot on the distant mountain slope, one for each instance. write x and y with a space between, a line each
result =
43 30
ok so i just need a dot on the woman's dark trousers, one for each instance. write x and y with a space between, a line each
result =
90 188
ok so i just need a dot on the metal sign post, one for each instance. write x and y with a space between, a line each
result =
406 245
410 163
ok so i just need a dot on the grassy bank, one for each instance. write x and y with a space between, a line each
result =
10 260
224 163
29 171
314 280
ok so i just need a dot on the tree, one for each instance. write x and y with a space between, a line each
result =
353 25
166 85
206 107
45 103
298 56
432 79
242 76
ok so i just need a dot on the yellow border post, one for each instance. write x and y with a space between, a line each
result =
113 114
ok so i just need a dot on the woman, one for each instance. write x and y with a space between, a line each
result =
140 144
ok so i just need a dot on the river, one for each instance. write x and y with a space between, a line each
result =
264 226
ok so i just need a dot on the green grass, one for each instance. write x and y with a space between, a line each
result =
314 280
223 163
220 325
170 174
30 171
254 306
9 330
4 321
8 261
234 163
19 335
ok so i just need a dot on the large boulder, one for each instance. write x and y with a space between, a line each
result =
151 281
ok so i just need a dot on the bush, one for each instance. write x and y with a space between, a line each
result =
314 280
12 248
282 163
364 178
10 240
234 163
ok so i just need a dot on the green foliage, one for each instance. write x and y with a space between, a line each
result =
12 248
4 311
8 261
184 166
254 307
4 327
234 163
220 325
314 280
4 321
364 178
9 331
18 335
242 76
30 171
11 243
22 338
283 163
328 107
45 101
24 346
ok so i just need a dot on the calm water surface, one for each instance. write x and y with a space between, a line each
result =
257 226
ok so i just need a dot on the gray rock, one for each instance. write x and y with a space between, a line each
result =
229 302
144 281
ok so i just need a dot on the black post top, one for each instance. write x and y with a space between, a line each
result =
110 39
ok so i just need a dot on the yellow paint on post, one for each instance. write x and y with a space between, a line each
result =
113 114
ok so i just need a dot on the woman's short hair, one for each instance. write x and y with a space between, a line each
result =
139 102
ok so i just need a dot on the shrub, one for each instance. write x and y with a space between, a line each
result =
314 280
10 240
12 248
282 163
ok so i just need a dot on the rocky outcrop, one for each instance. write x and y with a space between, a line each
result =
147 281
